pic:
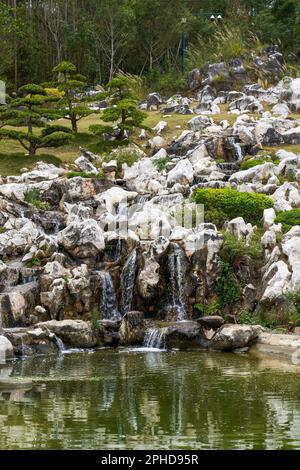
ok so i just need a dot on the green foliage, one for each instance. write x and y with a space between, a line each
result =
252 162
124 111
161 163
234 249
28 110
229 42
227 287
83 174
212 308
294 299
72 105
288 219
248 318
2 230
33 262
123 156
33 196
225 204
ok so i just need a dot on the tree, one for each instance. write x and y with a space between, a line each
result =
28 110
72 104
123 110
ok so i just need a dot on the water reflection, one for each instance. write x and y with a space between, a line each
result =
118 399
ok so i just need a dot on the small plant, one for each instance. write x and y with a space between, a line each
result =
161 163
288 219
226 204
2 230
234 249
252 162
95 318
34 197
84 174
212 308
227 286
123 156
33 262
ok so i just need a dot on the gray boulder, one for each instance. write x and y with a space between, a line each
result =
231 337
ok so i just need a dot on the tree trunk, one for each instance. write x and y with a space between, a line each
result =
32 149
74 125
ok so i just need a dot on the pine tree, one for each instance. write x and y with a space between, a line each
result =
73 104
32 108
123 109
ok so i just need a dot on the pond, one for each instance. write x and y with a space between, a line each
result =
135 399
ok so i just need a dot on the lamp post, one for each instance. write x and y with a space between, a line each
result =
182 48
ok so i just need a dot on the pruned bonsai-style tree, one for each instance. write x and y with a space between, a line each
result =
31 108
73 104
123 110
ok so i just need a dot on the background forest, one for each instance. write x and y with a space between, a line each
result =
141 37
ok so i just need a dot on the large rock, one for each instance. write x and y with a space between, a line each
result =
186 335
73 333
132 329
6 350
182 173
82 239
231 337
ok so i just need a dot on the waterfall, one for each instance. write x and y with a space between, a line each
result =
155 338
128 281
59 343
177 283
236 147
108 304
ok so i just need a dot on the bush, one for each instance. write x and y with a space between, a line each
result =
252 162
288 219
34 197
226 204
233 249
227 286
128 156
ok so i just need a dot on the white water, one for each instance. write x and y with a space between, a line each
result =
155 338
127 282
59 343
177 283
108 304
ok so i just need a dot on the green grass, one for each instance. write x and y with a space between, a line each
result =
11 164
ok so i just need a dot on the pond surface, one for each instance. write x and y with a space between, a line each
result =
149 400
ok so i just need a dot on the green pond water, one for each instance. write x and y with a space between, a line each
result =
149 400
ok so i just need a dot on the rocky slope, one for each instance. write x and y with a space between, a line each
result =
97 248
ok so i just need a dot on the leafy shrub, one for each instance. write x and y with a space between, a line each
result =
227 286
212 308
234 249
33 262
288 219
34 197
225 204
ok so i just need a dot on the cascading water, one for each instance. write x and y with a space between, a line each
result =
237 148
108 304
59 343
155 338
175 267
127 282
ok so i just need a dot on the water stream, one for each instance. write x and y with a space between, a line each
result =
177 282
108 303
127 282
